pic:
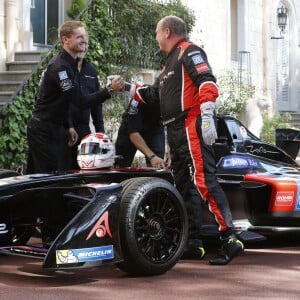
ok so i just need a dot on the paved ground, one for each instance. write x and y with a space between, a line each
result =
265 271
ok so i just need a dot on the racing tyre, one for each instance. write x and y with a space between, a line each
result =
153 226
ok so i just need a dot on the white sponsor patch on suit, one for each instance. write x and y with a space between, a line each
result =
197 59
193 52
63 75
65 82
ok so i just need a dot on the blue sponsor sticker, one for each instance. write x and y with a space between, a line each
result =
239 162
297 208
197 59
85 254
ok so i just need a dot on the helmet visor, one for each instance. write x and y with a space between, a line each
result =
89 148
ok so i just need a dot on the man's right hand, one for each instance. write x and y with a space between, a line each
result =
115 83
72 137
158 163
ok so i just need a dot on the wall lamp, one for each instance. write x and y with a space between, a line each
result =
281 21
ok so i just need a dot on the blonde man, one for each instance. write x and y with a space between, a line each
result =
59 86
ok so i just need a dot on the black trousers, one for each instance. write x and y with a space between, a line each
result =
69 154
44 141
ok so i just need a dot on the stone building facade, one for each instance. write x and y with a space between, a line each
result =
238 35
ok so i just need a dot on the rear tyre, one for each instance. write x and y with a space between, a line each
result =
153 226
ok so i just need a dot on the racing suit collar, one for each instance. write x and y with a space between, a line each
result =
176 45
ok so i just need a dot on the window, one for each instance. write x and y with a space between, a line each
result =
44 18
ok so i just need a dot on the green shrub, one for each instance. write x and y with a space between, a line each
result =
270 125
233 95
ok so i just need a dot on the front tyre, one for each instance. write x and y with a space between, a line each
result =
153 226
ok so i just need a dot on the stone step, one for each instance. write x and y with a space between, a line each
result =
4 97
21 65
295 125
295 121
9 86
29 55
14 75
17 71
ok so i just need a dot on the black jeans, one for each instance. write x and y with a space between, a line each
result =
155 140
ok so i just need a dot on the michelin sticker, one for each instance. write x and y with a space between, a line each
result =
239 162
71 256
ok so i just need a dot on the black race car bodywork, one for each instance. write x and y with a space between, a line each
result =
261 180
135 218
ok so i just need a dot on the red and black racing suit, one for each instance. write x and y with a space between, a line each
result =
185 83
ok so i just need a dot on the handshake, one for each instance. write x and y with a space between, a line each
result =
115 83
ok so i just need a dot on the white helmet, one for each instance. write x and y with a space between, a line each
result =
95 151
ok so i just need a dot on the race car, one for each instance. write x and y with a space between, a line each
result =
134 217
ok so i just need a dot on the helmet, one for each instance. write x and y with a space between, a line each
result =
96 150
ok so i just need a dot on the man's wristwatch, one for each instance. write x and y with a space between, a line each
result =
110 89
151 157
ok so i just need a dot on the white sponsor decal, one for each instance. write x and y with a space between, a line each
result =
63 75
284 198
193 52
3 229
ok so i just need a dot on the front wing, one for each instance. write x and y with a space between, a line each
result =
89 238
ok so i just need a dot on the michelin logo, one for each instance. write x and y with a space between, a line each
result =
84 254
